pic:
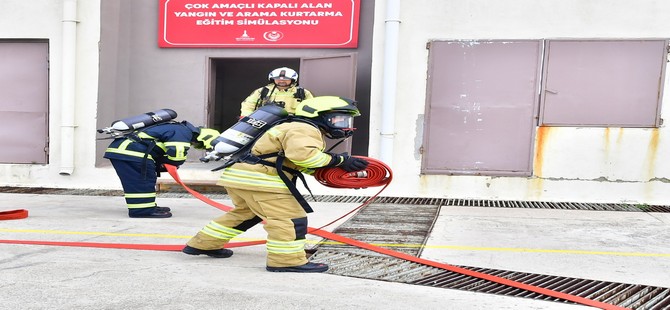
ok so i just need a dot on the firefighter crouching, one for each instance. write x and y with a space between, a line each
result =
259 193
138 158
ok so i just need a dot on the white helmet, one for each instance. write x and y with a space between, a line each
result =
283 73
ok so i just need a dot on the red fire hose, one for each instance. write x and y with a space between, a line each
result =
376 174
13 214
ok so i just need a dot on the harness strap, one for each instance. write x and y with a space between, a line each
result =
150 144
279 165
264 96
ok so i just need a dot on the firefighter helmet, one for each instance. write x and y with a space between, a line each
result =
283 73
334 115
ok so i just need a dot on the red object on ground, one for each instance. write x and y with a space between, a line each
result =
13 214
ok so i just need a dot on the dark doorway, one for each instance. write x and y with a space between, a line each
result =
233 79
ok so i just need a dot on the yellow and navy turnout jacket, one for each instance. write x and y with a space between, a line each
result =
165 143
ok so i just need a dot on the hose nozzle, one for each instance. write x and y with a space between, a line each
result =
359 174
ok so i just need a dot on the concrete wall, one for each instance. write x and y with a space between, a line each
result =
575 164
43 19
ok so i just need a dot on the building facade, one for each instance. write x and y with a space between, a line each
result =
510 100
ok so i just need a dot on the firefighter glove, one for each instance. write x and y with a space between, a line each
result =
351 164
161 168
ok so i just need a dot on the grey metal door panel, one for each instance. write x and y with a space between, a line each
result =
482 102
15 135
333 75
24 102
603 82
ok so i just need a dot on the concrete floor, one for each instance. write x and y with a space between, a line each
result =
627 247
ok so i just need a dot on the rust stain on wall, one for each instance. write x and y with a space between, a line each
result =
652 151
607 141
541 139
619 136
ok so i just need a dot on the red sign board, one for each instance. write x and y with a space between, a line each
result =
259 23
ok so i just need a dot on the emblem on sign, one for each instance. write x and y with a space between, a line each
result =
273 36
244 37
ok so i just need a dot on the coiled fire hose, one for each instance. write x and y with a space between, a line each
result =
376 174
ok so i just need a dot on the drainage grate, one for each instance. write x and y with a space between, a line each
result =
380 200
500 203
345 263
60 191
633 296
399 226
388 224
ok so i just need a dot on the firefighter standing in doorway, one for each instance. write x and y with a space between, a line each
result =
258 191
138 159
282 90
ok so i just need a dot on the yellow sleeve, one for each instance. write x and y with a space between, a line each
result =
308 94
248 106
303 145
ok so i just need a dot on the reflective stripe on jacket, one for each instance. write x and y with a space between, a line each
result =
302 145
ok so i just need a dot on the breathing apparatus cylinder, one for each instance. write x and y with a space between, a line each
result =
248 129
144 120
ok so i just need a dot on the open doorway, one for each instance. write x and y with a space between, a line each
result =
233 79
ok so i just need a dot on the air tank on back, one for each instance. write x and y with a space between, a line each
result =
144 120
139 121
248 129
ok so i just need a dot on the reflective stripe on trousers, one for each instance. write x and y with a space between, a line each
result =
139 190
286 225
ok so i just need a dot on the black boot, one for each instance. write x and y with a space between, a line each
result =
309 267
220 253
152 212
164 209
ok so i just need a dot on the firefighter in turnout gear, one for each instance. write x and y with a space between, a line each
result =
282 90
138 159
259 192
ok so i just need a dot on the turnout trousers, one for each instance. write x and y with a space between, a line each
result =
139 189
285 224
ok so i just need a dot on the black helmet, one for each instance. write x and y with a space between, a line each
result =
334 115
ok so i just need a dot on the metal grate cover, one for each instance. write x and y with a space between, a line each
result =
380 227
633 296
383 200
388 224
